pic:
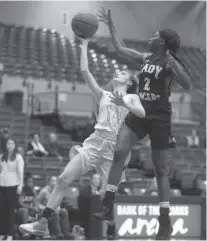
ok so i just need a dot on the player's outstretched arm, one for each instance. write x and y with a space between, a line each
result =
97 91
130 101
119 45
134 105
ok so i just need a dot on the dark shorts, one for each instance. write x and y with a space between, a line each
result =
157 126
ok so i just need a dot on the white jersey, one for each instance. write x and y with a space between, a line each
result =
110 116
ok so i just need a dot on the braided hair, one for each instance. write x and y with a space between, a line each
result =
172 43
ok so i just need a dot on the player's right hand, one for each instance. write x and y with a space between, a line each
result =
104 17
84 41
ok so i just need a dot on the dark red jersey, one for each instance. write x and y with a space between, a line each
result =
155 82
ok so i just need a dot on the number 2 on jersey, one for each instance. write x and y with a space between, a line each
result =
147 84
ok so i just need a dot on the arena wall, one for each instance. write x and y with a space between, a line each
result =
140 19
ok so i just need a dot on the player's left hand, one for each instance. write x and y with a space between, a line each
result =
117 99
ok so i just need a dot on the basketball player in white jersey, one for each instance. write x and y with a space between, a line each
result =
98 149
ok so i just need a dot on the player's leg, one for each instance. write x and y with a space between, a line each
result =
125 140
111 224
160 142
72 171
104 170
172 141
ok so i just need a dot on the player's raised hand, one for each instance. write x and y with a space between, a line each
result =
84 41
117 99
104 16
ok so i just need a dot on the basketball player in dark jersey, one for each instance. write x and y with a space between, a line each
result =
160 68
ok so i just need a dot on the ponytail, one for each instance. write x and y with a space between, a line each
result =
172 43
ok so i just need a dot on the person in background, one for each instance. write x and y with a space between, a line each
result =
53 147
11 184
35 147
27 202
4 136
59 223
200 183
172 142
123 188
70 203
84 198
21 151
153 191
193 141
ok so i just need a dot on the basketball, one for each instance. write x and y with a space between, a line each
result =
84 25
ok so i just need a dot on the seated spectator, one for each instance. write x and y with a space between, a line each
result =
59 223
27 202
124 187
21 151
193 141
152 190
200 183
53 147
176 193
70 202
84 201
35 148
172 142
26 210
4 136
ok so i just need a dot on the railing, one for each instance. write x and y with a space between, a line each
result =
145 151
71 103
198 104
82 104
35 105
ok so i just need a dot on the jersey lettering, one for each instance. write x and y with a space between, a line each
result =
148 96
110 116
147 84
153 81
150 68
113 113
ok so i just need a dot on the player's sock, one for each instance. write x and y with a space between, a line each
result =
165 227
53 202
111 230
164 208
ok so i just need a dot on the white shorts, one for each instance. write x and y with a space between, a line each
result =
97 152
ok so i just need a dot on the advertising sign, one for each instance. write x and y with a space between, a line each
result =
140 220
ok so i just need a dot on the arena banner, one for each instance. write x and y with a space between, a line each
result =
140 220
